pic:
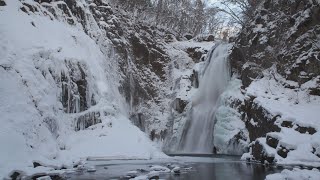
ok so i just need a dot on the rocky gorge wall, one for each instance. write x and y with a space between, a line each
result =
280 49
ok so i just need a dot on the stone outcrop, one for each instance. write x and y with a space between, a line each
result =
283 34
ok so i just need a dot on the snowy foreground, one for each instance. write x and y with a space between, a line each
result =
296 174
34 52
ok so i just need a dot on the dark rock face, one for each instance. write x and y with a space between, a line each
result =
304 130
179 105
195 79
188 36
272 141
281 34
196 54
283 151
15 175
36 164
287 124
161 136
210 37
254 113
2 3
259 154
250 73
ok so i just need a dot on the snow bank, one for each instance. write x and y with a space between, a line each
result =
295 174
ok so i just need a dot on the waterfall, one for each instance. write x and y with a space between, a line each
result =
198 134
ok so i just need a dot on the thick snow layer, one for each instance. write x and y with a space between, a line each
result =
31 48
293 105
114 137
295 174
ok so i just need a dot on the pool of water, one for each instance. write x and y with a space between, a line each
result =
203 168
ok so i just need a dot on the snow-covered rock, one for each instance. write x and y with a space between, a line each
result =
295 174
276 56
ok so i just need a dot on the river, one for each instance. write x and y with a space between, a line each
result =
202 168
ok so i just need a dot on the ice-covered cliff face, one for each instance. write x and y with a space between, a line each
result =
60 74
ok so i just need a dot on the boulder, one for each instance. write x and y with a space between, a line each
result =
272 141
179 105
259 153
2 3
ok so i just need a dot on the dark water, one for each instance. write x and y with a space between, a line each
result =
203 168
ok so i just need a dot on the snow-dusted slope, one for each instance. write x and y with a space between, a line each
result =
55 79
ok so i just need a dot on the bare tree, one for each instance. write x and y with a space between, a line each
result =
241 11
182 16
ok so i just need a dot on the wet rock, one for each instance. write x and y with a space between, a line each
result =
316 152
259 153
196 53
272 141
315 91
283 151
250 73
194 78
15 175
158 136
188 36
306 130
210 37
287 124
2 3
36 164
263 123
179 105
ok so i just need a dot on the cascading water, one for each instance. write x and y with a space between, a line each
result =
198 135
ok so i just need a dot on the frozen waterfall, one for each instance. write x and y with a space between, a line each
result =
198 135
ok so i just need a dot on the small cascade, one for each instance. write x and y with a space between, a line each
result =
198 133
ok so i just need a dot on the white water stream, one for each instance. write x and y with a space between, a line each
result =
199 133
